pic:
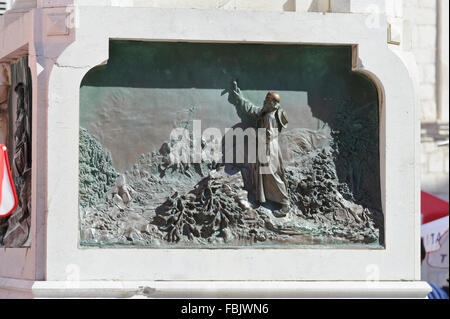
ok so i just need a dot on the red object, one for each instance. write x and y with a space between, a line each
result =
8 196
432 207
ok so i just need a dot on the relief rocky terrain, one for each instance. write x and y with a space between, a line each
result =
159 203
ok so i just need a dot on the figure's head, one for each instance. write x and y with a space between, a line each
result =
272 101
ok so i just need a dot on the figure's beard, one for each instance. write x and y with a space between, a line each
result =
269 107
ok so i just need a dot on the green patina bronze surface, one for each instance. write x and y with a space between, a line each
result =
129 106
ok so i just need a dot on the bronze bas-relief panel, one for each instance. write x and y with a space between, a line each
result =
316 120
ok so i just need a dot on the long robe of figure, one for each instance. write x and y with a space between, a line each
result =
268 176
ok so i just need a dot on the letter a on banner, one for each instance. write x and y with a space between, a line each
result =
8 196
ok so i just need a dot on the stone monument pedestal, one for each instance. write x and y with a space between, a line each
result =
63 42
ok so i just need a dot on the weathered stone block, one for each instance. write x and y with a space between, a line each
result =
427 73
427 37
425 16
436 163
429 111
312 5
358 6
427 3
427 92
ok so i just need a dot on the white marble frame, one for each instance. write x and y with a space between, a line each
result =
398 151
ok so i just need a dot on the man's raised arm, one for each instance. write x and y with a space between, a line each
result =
236 98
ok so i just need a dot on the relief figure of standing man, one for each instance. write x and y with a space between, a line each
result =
268 175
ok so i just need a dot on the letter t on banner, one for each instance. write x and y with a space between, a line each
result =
8 196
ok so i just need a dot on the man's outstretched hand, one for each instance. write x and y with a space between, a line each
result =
234 93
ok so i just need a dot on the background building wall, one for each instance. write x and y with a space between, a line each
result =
429 31
5 5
